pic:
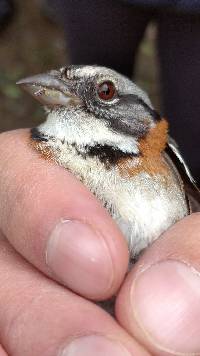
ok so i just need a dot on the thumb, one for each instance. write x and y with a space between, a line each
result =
159 303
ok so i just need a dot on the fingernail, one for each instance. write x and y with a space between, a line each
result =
79 257
94 345
166 304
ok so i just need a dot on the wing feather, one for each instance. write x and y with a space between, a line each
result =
190 186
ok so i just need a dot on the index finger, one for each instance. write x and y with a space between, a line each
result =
56 223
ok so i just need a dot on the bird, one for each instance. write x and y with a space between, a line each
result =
103 128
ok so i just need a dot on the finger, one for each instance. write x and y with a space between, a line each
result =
40 317
160 301
56 223
2 352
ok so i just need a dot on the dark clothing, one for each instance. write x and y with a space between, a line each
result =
174 5
6 12
109 32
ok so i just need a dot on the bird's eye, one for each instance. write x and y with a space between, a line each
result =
106 90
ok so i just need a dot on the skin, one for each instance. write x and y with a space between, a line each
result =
39 316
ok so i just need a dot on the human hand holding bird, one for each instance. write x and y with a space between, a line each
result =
41 193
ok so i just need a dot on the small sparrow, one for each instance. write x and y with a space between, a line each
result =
103 128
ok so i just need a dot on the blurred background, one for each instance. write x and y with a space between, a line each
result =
31 41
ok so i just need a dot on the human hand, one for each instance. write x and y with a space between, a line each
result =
89 256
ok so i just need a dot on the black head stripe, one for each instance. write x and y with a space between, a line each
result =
133 98
151 111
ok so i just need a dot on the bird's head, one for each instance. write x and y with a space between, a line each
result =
92 105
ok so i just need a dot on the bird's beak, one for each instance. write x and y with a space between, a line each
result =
49 89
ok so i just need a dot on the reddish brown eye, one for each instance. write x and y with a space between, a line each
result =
106 90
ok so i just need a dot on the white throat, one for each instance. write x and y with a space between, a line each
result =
76 126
